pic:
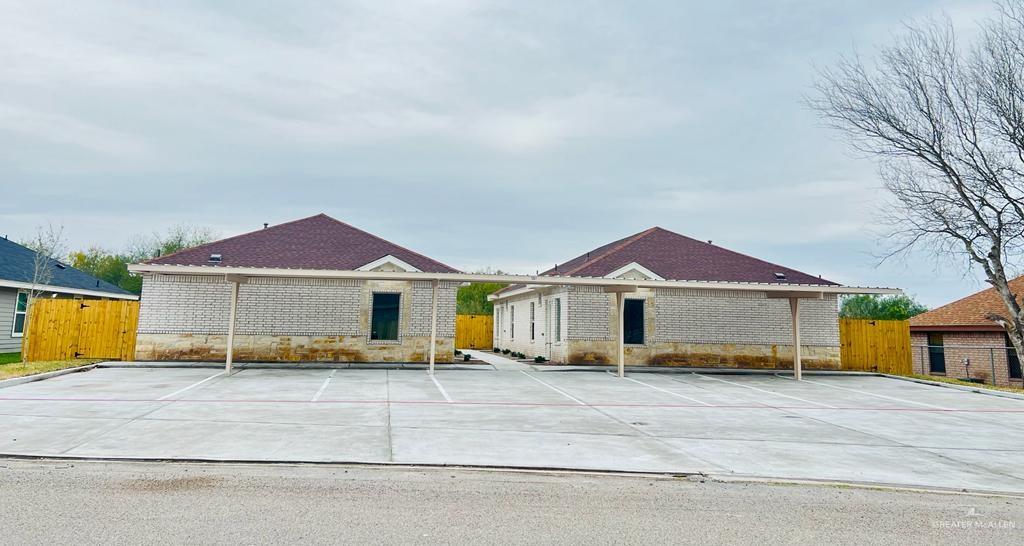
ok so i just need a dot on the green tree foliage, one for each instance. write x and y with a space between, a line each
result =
107 266
112 266
472 299
880 308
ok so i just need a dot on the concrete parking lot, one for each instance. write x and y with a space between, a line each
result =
858 428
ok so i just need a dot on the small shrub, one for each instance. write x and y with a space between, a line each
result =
520 355
497 350
457 352
539 359
465 358
505 351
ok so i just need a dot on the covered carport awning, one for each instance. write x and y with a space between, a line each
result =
239 275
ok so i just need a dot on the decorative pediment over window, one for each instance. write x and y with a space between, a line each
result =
388 263
634 271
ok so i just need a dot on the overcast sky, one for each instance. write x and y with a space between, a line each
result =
510 134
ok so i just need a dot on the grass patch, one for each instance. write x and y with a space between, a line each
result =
7 358
953 381
18 369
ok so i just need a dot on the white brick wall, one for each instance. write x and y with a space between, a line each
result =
419 322
544 342
587 310
675 315
299 307
180 304
718 316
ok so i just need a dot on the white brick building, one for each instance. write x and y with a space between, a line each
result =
282 318
668 326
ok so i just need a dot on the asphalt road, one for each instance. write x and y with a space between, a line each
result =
52 502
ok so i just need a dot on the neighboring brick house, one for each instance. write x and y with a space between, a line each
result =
957 340
668 326
185 316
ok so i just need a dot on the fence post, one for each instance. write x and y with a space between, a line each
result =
992 363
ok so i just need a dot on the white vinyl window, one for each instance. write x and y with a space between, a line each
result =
533 321
20 311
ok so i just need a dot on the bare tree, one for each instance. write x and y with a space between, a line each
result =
49 245
948 127
177 237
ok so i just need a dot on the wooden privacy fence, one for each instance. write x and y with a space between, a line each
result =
66 329
474 331
875 345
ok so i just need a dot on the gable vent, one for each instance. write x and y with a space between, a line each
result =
780 276
215 258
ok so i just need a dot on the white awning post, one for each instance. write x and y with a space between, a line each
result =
231 328
433 325
620 300
234 280
794 306
620 308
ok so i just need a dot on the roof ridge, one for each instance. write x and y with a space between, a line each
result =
748 256
282 224
617 248
379 238
977 294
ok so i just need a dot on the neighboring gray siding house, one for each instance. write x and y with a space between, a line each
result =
670 326
17 272
280 317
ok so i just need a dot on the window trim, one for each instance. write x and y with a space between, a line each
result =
643 322
24 321
558 320
369 329
512 322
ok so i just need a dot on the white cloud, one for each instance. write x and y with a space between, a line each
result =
471 127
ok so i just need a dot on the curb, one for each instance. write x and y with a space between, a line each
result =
695 477
686 370
979 390
294 366
45 375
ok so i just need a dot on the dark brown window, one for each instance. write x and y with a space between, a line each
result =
633 322
1012 360
936 354
384 317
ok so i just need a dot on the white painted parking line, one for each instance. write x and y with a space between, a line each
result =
190 387
556 389
767 391
444 393
666 391
869 393
323 387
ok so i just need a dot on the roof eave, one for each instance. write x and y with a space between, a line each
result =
66 290
504 279
956 328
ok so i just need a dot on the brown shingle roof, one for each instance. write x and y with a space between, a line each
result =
317 242
968 312
676 257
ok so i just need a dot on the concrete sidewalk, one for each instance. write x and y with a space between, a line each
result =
499 362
